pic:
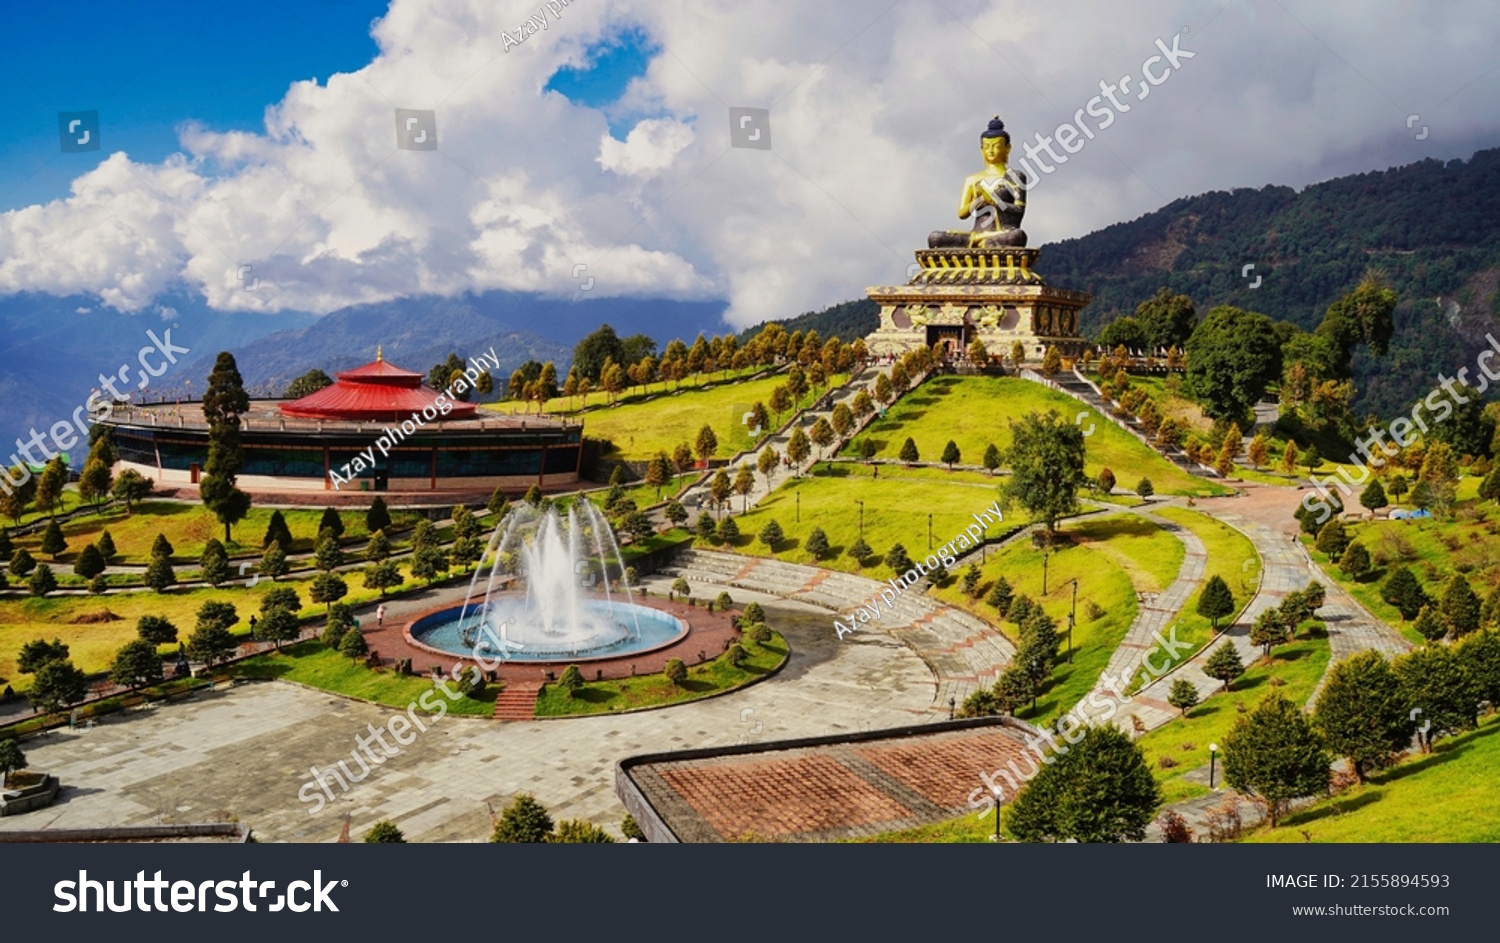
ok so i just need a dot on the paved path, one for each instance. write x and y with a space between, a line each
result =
963 651
1152 619
1283 569
1352 628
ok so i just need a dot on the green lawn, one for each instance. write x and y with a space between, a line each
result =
640 430
1298 666
1434 550
70 501
573 405
1445 796
92 646
188 527
1231 555
1114 558
713 677
316 665
645 495
1171 402
896 510
974 412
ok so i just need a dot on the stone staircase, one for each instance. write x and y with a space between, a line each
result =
518 700
1076 385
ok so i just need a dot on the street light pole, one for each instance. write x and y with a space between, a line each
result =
1045 557
999 794
929 532
1072 618
799 506
861 517
1213 754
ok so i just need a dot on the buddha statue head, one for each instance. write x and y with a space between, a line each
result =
994 143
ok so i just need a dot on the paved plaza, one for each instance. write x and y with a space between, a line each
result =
246 752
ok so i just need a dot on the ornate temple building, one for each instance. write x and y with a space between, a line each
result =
981 283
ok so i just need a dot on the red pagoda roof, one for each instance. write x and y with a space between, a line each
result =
378 371
377 391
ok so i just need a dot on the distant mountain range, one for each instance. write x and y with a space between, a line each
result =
56 347
1429 228
419 332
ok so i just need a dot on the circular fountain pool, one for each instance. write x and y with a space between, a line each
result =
505 628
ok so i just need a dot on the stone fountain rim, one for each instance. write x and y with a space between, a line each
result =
685 629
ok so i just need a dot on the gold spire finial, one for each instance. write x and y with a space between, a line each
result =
379 353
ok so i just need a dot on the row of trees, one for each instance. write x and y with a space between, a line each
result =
636 356
1368 713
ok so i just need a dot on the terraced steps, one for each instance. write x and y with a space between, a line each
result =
518 700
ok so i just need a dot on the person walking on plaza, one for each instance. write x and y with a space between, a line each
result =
380 615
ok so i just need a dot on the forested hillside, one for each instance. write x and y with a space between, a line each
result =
1429 228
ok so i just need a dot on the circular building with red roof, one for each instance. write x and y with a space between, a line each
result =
377 428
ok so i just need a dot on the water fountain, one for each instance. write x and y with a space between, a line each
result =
565 610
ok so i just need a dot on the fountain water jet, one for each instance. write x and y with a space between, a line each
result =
556 617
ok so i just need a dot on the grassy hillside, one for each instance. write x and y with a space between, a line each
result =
975 411
640 430
1434 550
1445 796
896 509
1112 558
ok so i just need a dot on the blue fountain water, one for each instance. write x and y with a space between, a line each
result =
639 629
561 612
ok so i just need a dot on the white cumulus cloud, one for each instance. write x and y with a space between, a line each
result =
875 116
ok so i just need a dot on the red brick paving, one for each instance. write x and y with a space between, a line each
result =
929 768
518 701
746 570
811 584
829 791
750 798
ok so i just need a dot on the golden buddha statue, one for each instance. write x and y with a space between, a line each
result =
995 197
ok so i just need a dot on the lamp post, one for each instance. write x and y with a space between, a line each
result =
999 795
1213 754
1072 618
929 532
799 506
1045 557
861 517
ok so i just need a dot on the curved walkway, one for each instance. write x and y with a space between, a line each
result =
247 751
963 651
1351 627
1285 567
1282 571
1151 621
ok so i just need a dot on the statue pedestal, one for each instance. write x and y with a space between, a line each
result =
956 296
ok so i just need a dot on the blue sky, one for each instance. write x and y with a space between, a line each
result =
647 188
148 67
